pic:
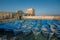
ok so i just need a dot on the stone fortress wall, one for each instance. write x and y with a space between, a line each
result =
30 14
42 17
31 11
6 15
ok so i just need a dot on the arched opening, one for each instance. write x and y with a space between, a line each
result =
20 17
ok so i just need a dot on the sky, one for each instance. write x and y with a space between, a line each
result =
42 7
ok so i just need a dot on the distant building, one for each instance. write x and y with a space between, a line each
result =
30 12
19 14
6 15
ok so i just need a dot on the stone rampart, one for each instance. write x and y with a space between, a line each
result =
42 17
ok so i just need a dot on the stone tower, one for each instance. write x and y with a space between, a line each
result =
19 14
30 12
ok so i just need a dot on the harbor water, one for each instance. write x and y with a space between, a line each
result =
30 30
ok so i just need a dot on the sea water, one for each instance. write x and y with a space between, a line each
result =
39 29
